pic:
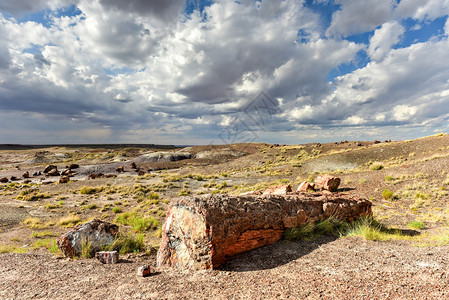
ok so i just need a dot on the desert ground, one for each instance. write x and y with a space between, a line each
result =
407 182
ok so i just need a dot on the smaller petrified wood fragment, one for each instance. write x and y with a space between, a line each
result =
202 232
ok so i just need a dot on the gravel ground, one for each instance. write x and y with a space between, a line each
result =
344 268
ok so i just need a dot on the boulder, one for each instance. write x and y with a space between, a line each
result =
144 271
64 179
327 182
305 187
13 178
133 165
49 168
4 180
278 190
99 233
26 174
140 172
72 166
95 175
120 169
53 172
107 257
202 232
38 173
66 172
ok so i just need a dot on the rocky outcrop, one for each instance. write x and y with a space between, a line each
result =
162 157
327 182
100 234
202 232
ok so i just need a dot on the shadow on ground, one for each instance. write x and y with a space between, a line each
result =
272 256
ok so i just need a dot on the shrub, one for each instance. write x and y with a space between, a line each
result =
310 231
86 248
88 190
33 223
12 249
376 166
387 194
153 196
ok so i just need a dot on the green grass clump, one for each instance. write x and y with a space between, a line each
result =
138 223
128 243
387 194
416 225
89 190
310 231
40 234
86 249
376 166
153 196
12 249
116 210
69 221
32 195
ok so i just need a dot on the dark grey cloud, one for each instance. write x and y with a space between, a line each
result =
161 9
19 8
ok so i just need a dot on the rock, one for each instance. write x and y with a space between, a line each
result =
305 187
327 182
376 142
318 145
72 166
49 168
100 234
4 180
26 181
141 172
109 176
38 173
66 172
95 175
53 172
13 178
64 179
203 232
133 165
278 190
359 144
26 174
120 169
144 271
107 257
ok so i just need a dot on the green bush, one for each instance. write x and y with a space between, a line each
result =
138 223
128 243
387 194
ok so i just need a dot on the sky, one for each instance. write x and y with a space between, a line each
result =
188 72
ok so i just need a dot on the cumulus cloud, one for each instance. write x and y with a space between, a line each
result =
20 7
359 16
383 39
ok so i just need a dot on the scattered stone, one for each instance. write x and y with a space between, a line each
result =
120 169
359 144
278 190
38 173
133 165
305 187
144 271
95 175
64 179
53 172
26 174
26 181
140 172
203 232
72 166
376 142
318 145
66 172
109 176
49 168
327 182
13 178
99 233
4 180
107 257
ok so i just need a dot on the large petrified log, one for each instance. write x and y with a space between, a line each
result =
202 232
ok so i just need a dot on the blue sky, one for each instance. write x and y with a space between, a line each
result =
185 72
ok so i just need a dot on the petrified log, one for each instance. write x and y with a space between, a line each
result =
328 182
202 232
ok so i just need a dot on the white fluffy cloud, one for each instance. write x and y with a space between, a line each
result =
383 39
